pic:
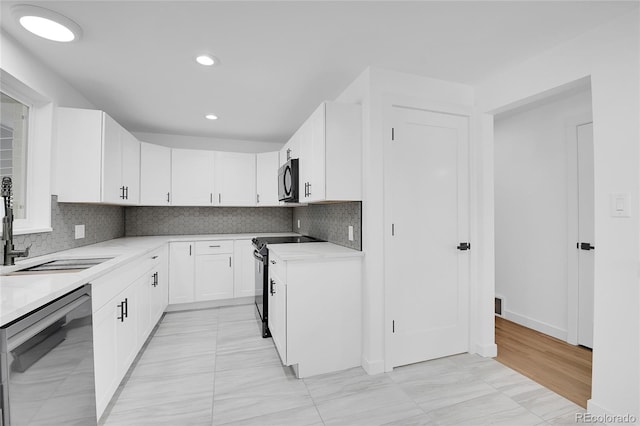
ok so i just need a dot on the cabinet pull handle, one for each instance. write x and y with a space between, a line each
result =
189 249
219 198
257 198
126 307
211 197
121 317
229 261
154 257
271 284
168 199
309 189
216 246
122 192
126 189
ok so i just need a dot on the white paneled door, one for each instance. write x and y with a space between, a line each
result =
427 207
585 234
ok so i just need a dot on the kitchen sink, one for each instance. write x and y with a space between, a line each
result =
59 266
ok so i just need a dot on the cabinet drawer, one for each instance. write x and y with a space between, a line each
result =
214 247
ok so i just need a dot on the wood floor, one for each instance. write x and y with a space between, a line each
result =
557 365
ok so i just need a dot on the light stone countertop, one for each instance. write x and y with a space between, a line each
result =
312 251
21 294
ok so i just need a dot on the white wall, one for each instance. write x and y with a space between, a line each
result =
609 55
531 211
215 144
374 89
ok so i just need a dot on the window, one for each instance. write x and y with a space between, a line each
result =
14 129
26 140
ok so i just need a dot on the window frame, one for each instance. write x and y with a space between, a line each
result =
39 147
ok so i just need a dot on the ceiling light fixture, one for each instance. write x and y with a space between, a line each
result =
46 23
206 60
211 117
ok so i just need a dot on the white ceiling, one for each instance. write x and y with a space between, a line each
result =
281 59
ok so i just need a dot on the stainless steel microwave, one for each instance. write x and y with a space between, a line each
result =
288 181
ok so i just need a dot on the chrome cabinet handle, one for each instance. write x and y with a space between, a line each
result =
216 246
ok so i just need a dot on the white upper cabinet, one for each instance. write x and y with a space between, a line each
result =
235 179
291 149
267 178
155 175
331 154
98 161
192 176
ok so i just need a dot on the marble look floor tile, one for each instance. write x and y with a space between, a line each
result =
494 408
417 420
386 404
301 416
344 383
248 393
437 396
201 315
238 313
241 335
424 370
240 359
514 383
547 404
164 399
185 327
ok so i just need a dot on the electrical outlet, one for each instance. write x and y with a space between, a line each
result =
350 233
79 231
298 223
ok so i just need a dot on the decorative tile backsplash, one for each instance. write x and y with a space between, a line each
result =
205 220
101 223
330 222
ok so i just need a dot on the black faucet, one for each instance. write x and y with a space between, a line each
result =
7 226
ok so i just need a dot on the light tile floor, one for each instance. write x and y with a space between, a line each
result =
211 367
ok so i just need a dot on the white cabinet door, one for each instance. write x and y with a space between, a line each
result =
306 160
181 272
130 167
278 315
192 176
144 301
155 175
267 178
244 273
214 277
112 187
315 183
105 354
126 329
291 149
160 286
235 179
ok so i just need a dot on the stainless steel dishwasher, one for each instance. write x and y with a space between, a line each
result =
46 367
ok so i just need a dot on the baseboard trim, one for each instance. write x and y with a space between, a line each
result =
486 351
540 326
373 367
209 304
601 415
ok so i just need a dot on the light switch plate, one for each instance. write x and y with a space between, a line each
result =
620 203
350 233
79 232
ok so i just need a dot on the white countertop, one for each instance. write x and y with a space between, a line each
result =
312 251
21 294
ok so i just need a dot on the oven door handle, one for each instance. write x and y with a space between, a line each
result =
258 256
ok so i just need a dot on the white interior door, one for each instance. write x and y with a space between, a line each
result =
585 234
427 276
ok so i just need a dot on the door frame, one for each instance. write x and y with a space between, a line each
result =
572 223
389 102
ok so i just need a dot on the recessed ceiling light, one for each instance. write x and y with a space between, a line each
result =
206 60
211 117
46 23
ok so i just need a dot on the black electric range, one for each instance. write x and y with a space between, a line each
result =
261 254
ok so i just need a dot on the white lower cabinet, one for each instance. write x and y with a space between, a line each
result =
315 310
126 306
244 282
181 272
214 276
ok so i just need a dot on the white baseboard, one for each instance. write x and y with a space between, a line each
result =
209 304
373 367
540 326
602 415
487 351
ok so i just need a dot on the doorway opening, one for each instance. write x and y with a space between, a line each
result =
544 239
